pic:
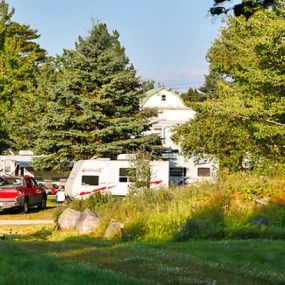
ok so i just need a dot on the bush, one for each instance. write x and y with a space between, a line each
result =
225 209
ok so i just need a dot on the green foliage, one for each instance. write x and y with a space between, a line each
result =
245 8
192 96
92 103
19 59
140 172
95 202
4 138
237 206
243 118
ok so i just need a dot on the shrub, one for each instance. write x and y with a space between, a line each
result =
225 209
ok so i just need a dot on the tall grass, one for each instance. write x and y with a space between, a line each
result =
236 206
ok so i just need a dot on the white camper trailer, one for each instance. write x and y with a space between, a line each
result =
22 164
104 175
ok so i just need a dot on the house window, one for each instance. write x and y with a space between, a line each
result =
204 171
91 180
177 172
163 97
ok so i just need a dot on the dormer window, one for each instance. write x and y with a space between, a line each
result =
163 97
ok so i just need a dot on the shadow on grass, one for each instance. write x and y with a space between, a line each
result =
141 261
215 222
21 264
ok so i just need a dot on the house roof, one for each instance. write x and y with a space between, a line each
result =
153 91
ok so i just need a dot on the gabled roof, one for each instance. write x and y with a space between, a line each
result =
153 91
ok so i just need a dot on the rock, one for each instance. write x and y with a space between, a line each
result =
114 229
68 219
87 222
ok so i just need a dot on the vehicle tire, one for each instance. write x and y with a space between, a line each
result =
43 204
26 206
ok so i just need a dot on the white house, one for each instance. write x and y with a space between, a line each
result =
173 112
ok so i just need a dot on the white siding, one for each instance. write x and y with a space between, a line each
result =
173 112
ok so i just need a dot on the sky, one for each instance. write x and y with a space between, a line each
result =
165 40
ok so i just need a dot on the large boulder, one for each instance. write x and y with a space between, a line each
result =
114 229
68 219
87 222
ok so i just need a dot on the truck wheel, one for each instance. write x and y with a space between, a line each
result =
43 204
26 206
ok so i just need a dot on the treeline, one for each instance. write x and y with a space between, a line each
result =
86 101
240 109
82 103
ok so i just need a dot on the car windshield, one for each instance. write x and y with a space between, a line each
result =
10 181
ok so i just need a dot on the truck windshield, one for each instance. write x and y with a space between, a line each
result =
9 181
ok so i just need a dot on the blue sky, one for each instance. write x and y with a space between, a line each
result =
166 40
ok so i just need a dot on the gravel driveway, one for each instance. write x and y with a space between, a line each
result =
25 222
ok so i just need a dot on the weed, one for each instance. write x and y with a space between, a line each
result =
213 211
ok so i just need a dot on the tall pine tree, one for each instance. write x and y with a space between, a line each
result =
93 106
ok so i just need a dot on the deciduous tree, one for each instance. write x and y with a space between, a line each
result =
19 58
246 118
245 8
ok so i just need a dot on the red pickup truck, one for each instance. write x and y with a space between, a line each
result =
21 192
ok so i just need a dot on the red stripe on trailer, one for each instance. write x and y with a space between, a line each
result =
156 182
97 190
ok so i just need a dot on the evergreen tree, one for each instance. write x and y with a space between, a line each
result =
94 107
19 58
193 96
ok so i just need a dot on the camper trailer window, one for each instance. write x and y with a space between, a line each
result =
90 180
204 171
177 171
7 169
123 175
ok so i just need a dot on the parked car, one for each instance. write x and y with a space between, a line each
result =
50 187
21 192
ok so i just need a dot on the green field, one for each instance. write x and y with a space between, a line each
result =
222 247
48 257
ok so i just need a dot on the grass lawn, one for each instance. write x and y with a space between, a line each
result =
63 258
19 265
34 214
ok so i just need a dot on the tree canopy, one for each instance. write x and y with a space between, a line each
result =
19 58
245 119
92 102
245 8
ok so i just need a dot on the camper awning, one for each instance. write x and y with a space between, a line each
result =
24 163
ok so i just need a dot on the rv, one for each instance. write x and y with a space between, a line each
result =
17 164
109 176
21 164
